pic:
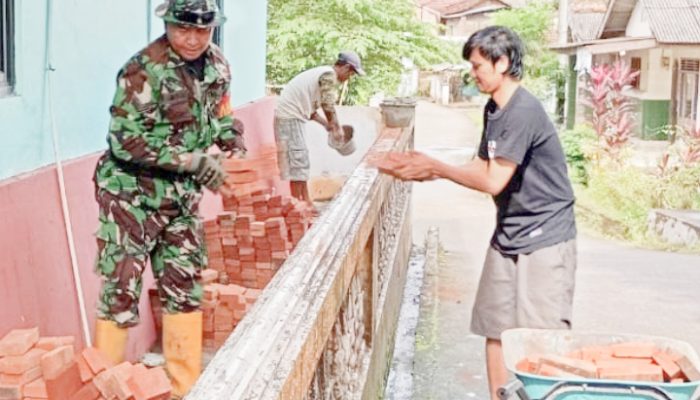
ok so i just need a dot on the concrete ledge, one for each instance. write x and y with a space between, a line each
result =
680 227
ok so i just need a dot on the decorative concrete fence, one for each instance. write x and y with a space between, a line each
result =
324 326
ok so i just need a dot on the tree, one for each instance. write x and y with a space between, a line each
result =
533 23
303 34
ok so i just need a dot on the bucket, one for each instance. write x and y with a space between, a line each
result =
346 146
398 112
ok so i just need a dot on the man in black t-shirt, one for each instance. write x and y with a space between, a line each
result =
529 272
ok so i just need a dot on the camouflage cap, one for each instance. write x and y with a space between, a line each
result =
200 13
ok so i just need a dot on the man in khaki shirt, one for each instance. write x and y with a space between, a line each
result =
299 102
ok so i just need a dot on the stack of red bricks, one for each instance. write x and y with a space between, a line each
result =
33 367
223 307
253 238
630 361
247 243
253 173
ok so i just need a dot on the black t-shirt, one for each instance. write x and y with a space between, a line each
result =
536 208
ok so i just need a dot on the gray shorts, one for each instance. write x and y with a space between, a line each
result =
533 290
292 154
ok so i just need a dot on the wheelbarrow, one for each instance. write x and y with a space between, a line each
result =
520 343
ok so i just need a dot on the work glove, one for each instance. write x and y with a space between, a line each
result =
208 170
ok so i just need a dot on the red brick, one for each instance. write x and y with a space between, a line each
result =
230 293
223 319
648 373
17 365
150 385
220 337
670 368
622 362
578 367
211 292
689 369
549 370
96 360
18 341
21 379
634 350
10 391
65 384
36 389
55 361
86 373
209 276
594 353
115 384
100 382
524 365
87 392
49 343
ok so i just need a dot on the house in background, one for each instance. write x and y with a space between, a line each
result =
658 38
459 18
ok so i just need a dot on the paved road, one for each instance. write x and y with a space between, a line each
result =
619 288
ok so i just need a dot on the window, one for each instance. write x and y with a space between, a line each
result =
6 47
218 31
636 65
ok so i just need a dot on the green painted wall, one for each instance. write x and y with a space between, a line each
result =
90 41
654 117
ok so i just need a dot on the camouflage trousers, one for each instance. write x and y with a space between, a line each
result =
128 237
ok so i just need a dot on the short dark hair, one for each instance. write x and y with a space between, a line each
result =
495 42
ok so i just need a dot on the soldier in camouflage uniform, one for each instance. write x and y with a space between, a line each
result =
171 105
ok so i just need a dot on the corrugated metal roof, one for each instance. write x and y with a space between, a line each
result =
584 26
674 21
588 6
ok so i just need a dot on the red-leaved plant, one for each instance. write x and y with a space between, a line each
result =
611 110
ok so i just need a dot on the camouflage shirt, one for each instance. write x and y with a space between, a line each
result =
328 83
161 112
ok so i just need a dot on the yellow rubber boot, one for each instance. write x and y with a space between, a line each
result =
182 349
110 340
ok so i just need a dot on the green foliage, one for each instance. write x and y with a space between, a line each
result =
532 24
303 34
678 189
616 202
578 144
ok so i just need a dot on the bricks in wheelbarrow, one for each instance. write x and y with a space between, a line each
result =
688 368
554 372
582 368
671 369
650 373
634 350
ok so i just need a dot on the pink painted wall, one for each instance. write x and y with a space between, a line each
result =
36 278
